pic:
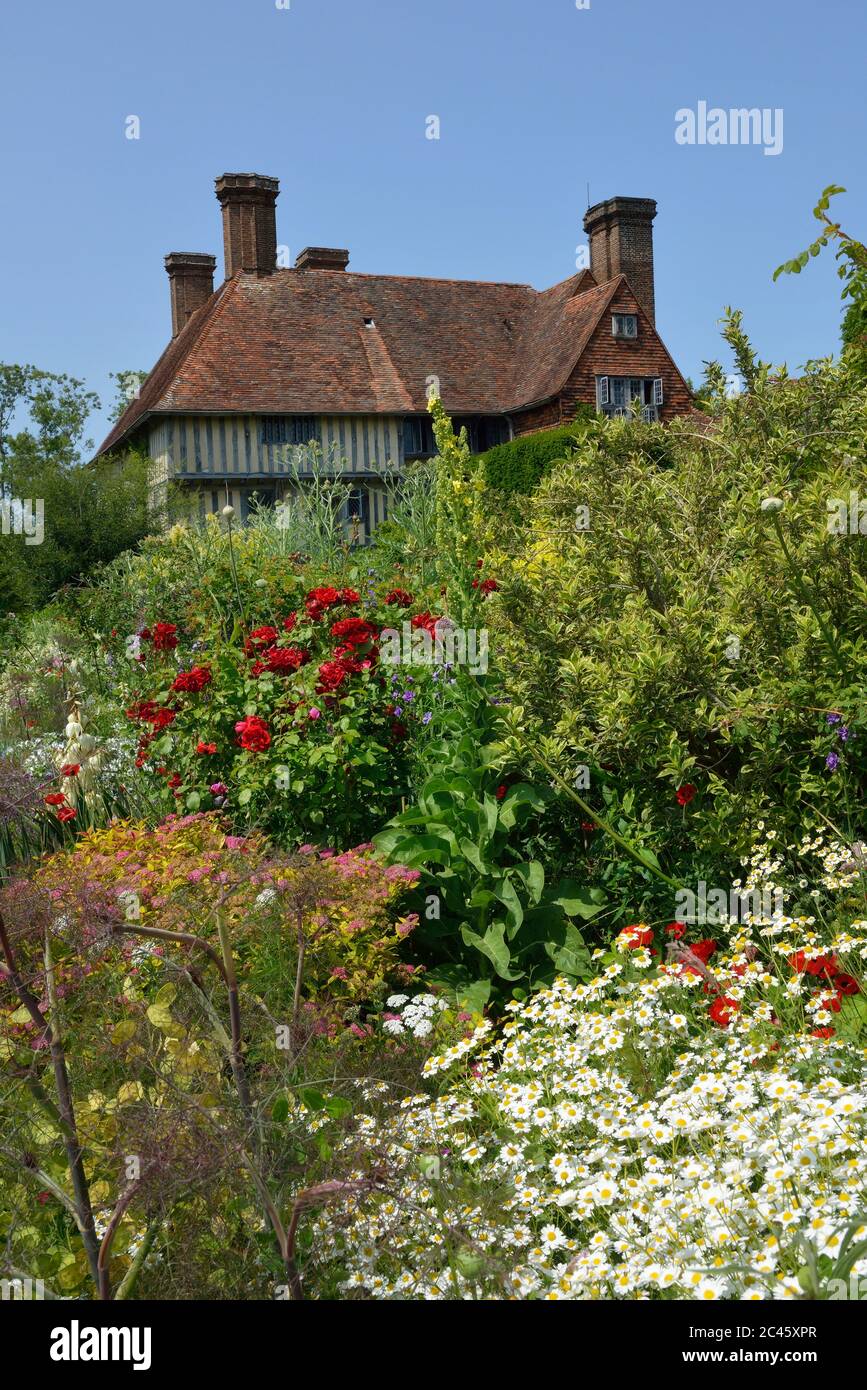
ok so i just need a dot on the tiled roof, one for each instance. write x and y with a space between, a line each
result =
333 342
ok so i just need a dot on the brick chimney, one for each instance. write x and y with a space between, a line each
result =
322 258
249 222
621 243
191 281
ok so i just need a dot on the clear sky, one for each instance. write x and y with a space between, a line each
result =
536 100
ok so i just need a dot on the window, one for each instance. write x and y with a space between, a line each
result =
624 325
418 438
254 498
289 429
622 395
358 511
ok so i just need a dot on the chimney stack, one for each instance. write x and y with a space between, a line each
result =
249 222
191 280
322 258
621 243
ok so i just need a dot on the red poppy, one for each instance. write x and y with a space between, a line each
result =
685 794
817 965
823 1032
54 799
675 929
253 734
68 813
399 598
70 769
703 949
722 1009
636 935
846 984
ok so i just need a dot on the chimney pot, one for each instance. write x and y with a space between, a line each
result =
621 243
191 281
322 258
249 222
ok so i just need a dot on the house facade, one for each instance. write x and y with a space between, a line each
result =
280 357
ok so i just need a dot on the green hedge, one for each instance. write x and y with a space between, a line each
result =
520 465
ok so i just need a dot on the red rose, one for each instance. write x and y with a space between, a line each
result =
289 623
68 813
685 794
426 621
70 769
163 718
348 596
174 780
163 637
501 791
193 680
722 1010
284 660
332 674
356 632
206 747
260 638
399 598
318 601
253 734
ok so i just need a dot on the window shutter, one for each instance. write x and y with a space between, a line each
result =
657 391
602 390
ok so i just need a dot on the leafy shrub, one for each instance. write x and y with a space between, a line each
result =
520 465
703 668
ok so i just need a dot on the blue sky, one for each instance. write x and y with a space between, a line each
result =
536 99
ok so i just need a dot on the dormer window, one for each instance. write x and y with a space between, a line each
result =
369 323
624 325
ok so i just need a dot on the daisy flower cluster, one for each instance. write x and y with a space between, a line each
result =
412 1014
685 1128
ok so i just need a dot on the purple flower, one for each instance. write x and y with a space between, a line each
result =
833 718
426 718
843 733
408 695
831 761
218 789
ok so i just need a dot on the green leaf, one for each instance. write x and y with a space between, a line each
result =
493 945
280 1110
244 796
577 901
